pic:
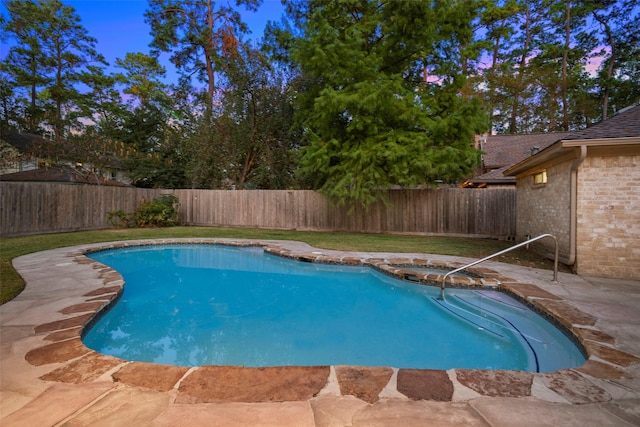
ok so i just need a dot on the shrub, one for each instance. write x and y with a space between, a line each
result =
159 212
119 219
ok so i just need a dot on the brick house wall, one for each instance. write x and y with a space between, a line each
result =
608 217
594 210
545 208
607 214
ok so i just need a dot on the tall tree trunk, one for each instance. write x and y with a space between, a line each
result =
565 60
34 96
253 151
209 61
492 74
610 68
521 71
57 126
425 72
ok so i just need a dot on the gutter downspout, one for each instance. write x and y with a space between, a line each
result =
573 208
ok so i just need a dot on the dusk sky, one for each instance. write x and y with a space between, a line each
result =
119 25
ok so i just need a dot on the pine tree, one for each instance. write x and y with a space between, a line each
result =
201 35
387 108
52 52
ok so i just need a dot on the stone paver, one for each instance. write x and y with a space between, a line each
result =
60 351
362 382
625 409
135 407
209 384
148 375
402 413
425 384
237 415
57 403
83 307
575 388
48 377
336 411
496 383
530 412
64 323
64 334
83 370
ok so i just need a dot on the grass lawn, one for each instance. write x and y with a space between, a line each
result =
11 284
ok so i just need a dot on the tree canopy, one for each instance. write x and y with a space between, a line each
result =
201 36
372 120
350 97
52 51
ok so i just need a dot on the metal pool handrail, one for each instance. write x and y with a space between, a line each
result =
555 260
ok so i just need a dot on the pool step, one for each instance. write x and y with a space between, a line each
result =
473 318
495 314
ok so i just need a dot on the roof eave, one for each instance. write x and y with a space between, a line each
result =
599 142
551 152
566 149
493 181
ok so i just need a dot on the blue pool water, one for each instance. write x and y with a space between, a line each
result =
194 305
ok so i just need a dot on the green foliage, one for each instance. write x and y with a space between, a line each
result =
164 169
251 132
149 128
9 155
119 219
141 76
384 92
52 53
27 65
103 103
538 75
201 36
372 121
162 211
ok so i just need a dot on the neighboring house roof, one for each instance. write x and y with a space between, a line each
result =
508 149
621 130
61 175
504 150
493 177
38 146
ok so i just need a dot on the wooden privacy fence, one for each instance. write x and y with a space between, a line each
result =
452 211
30 208
33 207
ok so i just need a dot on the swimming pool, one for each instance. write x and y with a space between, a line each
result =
194 305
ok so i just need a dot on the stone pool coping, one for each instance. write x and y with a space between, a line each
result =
56 349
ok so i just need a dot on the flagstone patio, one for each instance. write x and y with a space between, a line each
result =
48 377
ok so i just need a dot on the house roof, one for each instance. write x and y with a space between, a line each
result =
624 124
38 146
621 130
504 150
495 176
60 175
508 149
